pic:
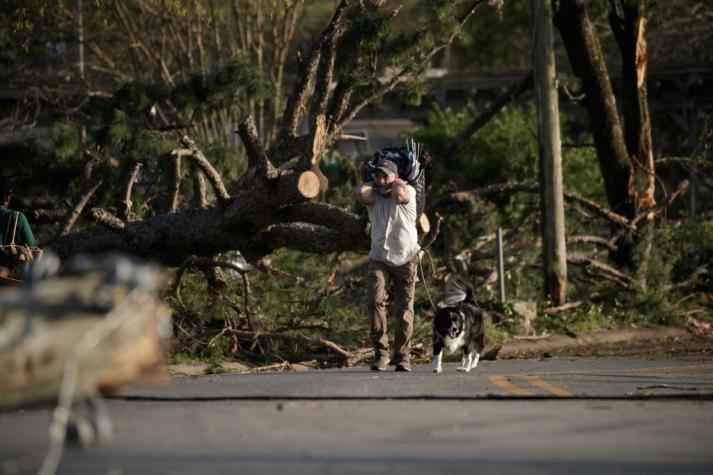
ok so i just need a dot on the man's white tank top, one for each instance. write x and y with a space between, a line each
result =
394 239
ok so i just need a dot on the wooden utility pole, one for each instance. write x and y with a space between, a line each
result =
551 195
80 60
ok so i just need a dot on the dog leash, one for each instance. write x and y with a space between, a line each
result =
423 277
425 286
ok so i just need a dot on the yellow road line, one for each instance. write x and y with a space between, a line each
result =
668 369
503 383
535 381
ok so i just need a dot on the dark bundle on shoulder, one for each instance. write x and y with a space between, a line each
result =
408 162
411 162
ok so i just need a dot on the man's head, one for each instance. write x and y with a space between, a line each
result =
5 191
385 173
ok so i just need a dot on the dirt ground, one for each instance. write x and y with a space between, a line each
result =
655 341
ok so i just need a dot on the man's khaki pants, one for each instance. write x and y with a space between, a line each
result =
404 279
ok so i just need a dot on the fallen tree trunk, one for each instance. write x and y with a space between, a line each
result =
284 174
171 238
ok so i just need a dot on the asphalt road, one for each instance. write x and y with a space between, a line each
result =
570 415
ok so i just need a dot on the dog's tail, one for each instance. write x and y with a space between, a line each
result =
458 290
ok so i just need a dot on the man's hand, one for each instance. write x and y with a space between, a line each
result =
364 193
399 191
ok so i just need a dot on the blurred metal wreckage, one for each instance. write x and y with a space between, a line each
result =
74 330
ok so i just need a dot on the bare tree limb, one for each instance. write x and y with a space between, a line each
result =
44 216
297 100
324 214
303 237
602 270
320 97
211 173
461 197
650 213
382 88
76 211
124 206
432 234
200 199
174 179
205 264
257 158
337 106
573 305
691 281
107 219
311 342
595 240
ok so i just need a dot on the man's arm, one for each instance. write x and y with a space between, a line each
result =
364 193
24 233
400 192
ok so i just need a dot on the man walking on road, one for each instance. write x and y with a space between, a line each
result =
391 203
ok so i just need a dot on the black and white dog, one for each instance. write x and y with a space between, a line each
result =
458 326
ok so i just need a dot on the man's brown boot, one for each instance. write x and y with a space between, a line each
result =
379 363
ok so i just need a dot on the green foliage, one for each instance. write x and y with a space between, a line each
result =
505 150
20 157
65 137
375 44
229 161
581 173
688 246
59 162
681 252
591 316
497 39
240 77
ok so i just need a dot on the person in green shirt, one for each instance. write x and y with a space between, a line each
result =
23 233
